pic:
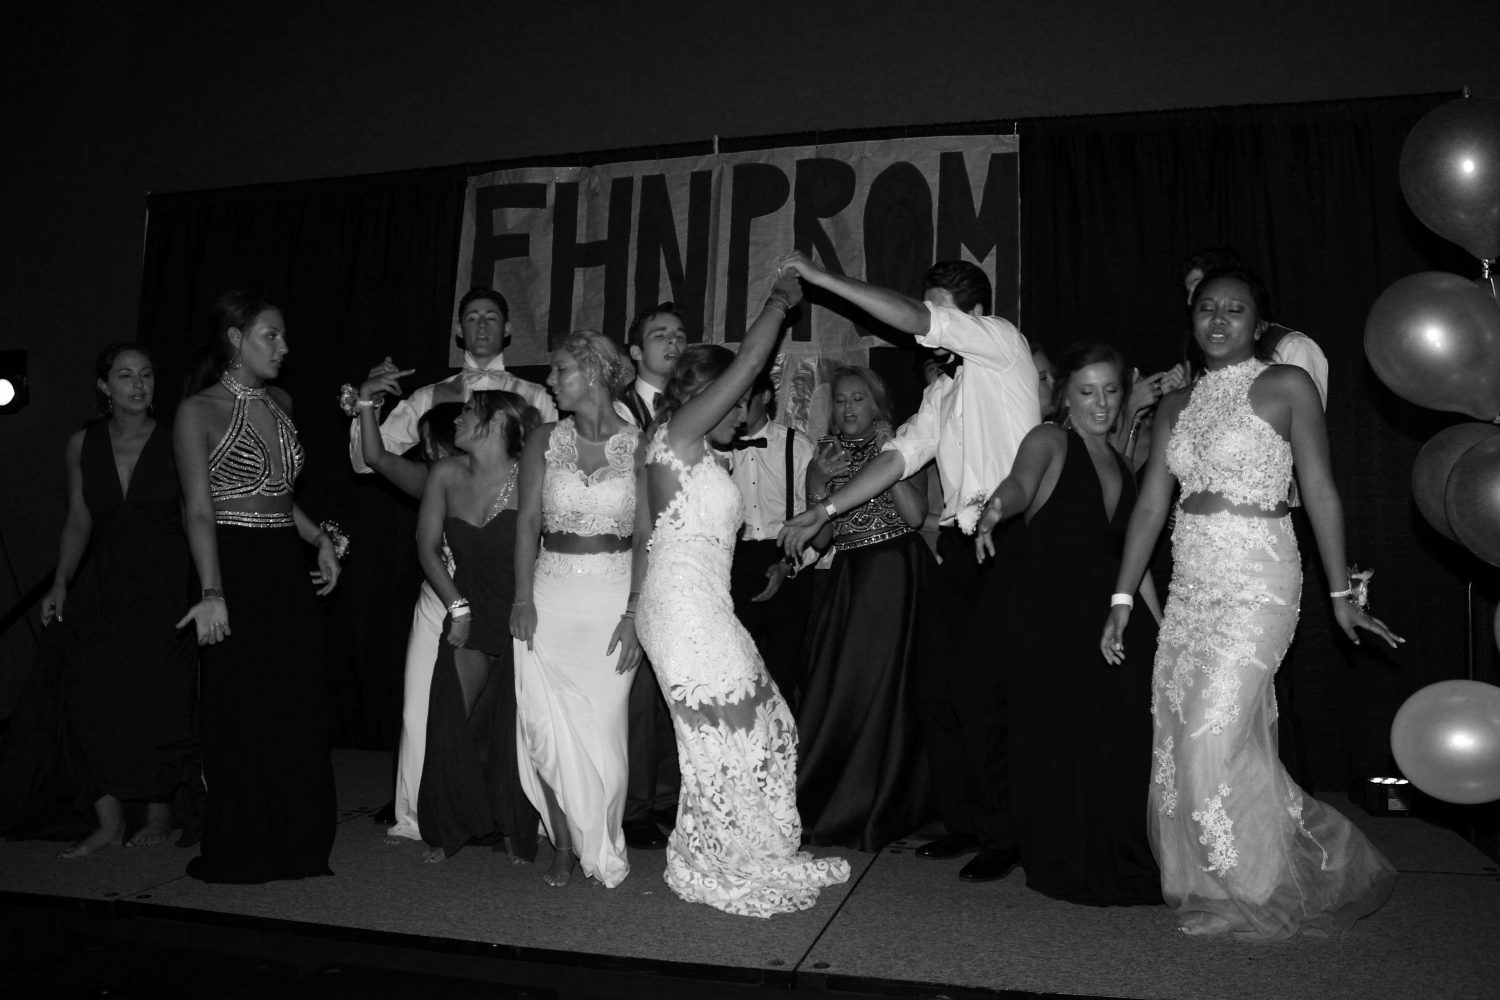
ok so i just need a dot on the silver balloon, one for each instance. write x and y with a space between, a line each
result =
1450 173
1434 340
1429 473
1446 739
1472 500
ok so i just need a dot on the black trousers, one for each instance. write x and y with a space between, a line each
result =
778 625
652 748
961 695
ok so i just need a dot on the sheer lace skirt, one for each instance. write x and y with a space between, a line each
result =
738 834
1242 850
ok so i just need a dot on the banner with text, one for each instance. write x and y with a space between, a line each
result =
589 247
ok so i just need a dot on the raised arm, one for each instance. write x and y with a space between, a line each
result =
1146 521
190 441
529 531
75 534
698 415
407 475
899 312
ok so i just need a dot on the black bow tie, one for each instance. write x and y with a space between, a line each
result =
740 444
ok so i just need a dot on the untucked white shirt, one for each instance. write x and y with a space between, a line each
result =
399 429
1297 348
971 423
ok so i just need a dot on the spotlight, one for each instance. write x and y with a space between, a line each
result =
14 389
1383 796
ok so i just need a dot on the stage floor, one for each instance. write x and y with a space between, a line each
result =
900 926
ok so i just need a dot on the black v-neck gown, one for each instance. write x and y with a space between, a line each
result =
1080 729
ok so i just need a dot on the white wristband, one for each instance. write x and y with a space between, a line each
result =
1118 599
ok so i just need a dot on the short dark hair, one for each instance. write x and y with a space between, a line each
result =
1075 358
697 367
521 418
967 283
480 292
1205 260
1259 294
638 325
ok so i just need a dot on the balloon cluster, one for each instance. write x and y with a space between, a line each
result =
1434 340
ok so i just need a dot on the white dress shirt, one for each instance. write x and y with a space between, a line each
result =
1297 348
399 429
971 423
649 393
760 474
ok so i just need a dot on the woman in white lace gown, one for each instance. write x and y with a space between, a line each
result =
575 646
1242 850
736 845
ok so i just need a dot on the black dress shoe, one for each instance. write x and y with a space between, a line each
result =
950 846
385 814
644 835
990 865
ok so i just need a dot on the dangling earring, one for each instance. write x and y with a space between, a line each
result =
1067 418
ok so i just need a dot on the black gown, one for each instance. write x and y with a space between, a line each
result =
1080 729
471 783
862 778
116 712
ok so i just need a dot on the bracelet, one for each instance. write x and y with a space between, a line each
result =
779 302
830 510
520 604
459 605
213 593
628 613
462 616
330 530
1115 600
365 404
1341 593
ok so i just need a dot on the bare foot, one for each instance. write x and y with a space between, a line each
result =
96 841
158 828
1204 924
434 856
510 849
561 870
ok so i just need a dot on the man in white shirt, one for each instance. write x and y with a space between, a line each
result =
769 465
655 339
482 329
972 423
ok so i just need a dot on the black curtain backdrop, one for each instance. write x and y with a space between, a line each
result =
1309 196
1307 193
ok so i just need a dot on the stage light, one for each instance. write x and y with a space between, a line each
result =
14 391
1383 796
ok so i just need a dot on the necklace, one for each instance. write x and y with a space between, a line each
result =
239 389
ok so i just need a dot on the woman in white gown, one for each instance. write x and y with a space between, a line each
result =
575 646
736 845
1242 850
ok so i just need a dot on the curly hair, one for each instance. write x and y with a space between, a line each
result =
697 367
599 358
521 418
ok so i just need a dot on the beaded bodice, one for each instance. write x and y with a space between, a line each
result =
1220 446
875 520
598 503
707 507
240 466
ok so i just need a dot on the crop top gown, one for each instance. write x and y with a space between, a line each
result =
470 790
1242 850
263 702
737 839
572 705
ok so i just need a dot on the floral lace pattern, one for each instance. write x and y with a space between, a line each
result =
1166 777
736 843
1294 809
598 503
1218 833
1219 445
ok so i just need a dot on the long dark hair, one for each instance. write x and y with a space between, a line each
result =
521 418
234 309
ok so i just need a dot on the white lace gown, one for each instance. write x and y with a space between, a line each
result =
1242 850
737 842
571 705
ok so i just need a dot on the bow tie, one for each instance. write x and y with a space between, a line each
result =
472 375
740 444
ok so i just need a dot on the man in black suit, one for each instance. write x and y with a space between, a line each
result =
655 339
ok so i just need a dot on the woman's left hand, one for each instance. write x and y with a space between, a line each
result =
630 646
1351 616
326 576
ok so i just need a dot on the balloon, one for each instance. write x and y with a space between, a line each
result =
1450 173
1446 739
1434 339
1429 473
1473 500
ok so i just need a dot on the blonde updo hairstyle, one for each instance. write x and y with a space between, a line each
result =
601 361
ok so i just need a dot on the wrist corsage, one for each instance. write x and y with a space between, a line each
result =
968 515
1358 591
349 400
337 537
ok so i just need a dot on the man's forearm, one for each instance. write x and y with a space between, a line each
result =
895 310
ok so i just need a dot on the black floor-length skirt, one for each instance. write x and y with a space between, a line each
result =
862 777
264 718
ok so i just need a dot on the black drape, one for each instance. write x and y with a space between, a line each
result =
1308 194
361 268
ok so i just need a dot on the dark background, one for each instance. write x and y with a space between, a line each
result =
107 104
